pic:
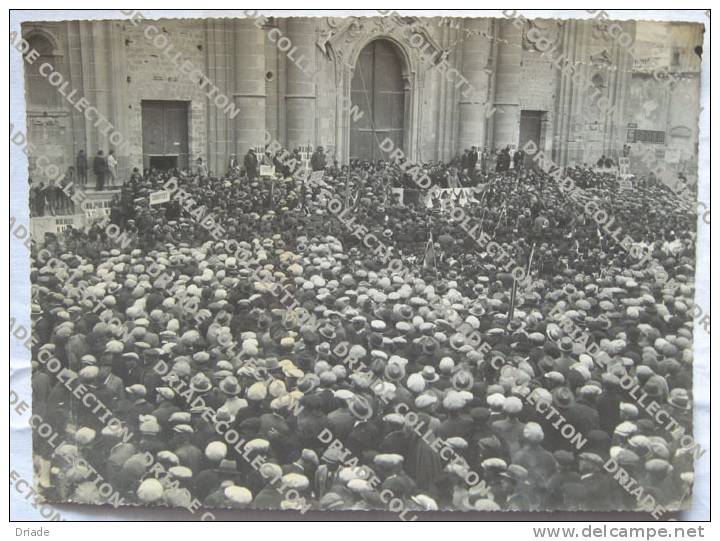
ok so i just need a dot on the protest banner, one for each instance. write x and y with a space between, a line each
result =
267 170
159 197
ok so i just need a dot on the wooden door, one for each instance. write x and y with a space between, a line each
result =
165 130
530 128
377 91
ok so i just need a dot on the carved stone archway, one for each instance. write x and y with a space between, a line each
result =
379 91
38 31
343 42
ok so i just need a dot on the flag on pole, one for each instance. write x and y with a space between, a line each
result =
502 213
482 221
600 238
511 311
482 197
532 253
356 200
347 191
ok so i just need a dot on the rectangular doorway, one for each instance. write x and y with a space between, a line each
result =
165 134
531 128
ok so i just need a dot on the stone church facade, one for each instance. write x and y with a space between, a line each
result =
182 89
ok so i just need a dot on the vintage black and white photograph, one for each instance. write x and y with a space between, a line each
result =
368 262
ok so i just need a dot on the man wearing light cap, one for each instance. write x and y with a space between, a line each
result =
539 462
510 429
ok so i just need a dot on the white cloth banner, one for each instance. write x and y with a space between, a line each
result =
450 197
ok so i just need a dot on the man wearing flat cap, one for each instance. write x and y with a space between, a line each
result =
659 482
112 383
458 423
599 487
566 474
188 454
539 462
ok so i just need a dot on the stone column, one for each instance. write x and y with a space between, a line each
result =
472 109
507 84
219 52
74 72
564 100
300 105
616 114
98 72
118 106
249 57
571 98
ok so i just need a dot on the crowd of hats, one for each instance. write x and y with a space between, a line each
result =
111 316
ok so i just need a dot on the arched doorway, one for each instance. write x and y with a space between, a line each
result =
40 93
377 91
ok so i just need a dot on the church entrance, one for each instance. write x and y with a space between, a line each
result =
165 134
532 130
377 91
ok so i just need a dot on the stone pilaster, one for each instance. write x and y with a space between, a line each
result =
97 70
220 138
507 83
300 94
472 107
249 57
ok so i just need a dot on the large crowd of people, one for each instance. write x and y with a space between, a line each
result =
337 380
55 196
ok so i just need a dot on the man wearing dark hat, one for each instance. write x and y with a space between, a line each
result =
608 403
251 164
317 161
566 474
565 361
311 420
341 421
472 161
679 404
365 431
326 474
100 168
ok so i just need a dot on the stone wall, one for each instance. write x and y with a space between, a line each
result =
538 84
152 74
117 66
